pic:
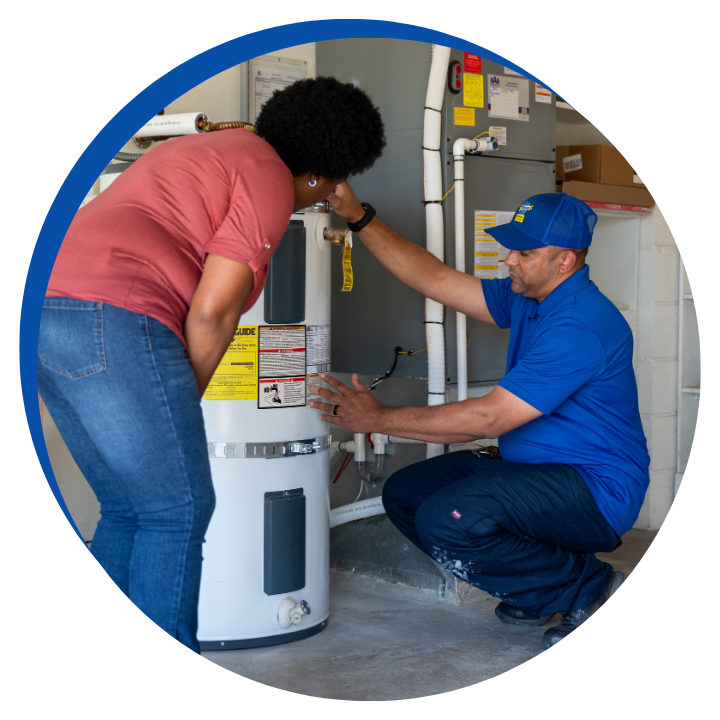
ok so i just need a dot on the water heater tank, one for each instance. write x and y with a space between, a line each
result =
265 572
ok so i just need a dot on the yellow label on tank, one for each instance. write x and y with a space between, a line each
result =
236 377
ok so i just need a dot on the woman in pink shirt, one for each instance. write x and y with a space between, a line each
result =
144 298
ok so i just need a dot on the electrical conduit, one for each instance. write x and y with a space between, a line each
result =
432 164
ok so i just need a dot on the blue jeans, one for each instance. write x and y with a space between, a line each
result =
122 392
524 533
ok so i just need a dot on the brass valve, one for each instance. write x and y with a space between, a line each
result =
337 236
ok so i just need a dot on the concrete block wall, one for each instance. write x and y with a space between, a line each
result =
656 362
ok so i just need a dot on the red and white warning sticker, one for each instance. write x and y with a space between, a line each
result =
281 366
281 392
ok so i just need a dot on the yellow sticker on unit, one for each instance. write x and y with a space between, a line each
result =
236 377
473 91
465 116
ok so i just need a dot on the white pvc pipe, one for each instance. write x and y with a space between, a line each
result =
343 446
356 511
382 440
359 442
460 147
432 165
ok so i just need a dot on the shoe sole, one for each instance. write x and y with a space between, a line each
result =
540 620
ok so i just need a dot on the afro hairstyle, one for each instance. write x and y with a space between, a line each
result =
323 127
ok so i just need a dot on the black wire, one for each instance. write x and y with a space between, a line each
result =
398 350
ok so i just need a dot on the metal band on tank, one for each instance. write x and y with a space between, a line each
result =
269 450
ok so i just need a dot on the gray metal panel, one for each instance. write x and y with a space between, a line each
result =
531 140
490 184
380 312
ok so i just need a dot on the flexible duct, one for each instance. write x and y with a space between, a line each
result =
127 157
432 164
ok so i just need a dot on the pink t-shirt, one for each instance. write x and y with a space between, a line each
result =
141 244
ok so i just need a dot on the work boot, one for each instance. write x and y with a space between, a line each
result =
517 616
575 618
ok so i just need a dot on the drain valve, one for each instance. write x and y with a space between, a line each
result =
292 612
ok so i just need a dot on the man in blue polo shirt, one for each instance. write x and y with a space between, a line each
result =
574 465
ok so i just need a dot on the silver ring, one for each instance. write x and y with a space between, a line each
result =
335 409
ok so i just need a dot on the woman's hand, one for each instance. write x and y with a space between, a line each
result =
345 203
357 409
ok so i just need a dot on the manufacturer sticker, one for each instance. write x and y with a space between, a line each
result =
500 133
509 97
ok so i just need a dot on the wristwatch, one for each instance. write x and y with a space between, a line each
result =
364 220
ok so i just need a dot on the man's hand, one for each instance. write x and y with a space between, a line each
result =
358 410
345 203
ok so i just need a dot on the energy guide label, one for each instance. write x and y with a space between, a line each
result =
236 376
281 366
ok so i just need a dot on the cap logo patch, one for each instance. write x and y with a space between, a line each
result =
520 214
456 514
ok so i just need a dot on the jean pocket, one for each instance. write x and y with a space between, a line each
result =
71 340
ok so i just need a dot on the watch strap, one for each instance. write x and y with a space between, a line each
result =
364 220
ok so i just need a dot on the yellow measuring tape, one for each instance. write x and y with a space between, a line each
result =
347 266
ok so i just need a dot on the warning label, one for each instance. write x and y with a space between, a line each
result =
318 349
281 366
282 392
236 376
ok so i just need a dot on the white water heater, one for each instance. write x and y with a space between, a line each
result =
265 572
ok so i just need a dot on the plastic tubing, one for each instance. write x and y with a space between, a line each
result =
356 511
371 472
432 166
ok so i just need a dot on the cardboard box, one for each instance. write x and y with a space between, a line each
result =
611 194
602 164
561 151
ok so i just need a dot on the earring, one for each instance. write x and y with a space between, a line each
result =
313 183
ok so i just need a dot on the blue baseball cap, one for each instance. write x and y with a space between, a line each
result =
548 219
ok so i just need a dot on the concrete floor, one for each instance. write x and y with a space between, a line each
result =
382 645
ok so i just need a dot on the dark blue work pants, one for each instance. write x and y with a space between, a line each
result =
524 533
